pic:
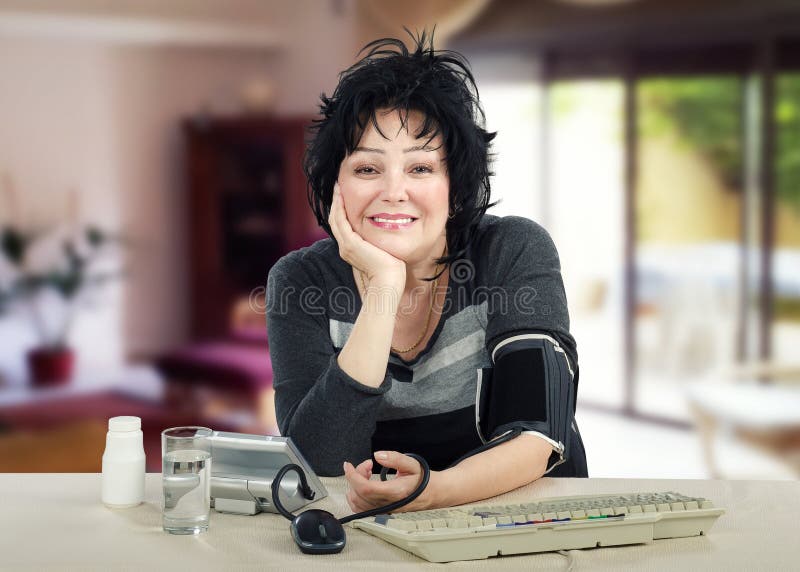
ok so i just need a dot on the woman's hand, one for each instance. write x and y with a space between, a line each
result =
365 494
379 267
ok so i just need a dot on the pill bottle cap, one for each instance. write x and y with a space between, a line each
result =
124 423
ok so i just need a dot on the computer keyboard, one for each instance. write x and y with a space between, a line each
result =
542 525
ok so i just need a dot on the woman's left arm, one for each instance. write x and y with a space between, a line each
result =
495 471
500 469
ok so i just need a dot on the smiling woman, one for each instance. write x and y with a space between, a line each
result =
423 325
395 190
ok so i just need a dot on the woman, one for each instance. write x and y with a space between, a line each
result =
424 325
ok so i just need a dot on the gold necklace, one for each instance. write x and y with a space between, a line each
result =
427 320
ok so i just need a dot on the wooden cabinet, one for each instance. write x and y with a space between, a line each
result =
247 207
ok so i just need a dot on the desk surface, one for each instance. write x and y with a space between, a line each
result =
56 521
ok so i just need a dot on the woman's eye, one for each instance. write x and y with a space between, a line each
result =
370 170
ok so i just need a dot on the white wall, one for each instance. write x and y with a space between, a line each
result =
56 134
104 118
511 95
152 90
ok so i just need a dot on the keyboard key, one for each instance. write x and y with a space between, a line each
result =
520 518
580 513
677 506
561 515
663 507
489 521
691 505
504 519
649 508
606 511
438 523
457 523
424 525
620 510
399 524
707 504
635 509
474 521
535 516
592 512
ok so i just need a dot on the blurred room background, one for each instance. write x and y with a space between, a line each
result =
150 174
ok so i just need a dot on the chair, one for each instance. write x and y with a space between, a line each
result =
228 378
764 416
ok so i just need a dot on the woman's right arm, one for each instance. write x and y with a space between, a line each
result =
366 352
329 414
327 402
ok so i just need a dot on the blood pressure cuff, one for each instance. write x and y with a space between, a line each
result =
530 388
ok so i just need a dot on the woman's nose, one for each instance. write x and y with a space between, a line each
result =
394 188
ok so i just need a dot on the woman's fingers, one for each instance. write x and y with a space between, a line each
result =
365 493
360 494
356 503
334 216
404 464
340 226
358 481
357 474
339 214
365 468
356 251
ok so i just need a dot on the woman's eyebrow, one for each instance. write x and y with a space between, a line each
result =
409 150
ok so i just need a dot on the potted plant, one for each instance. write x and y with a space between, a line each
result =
52 289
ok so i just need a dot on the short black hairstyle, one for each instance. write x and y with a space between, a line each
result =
437 83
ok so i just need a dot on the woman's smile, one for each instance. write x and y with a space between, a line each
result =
392 222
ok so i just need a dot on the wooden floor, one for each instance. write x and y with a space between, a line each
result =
68 435
74 448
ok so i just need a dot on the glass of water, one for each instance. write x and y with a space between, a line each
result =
186 479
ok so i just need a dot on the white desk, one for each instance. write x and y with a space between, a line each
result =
56 521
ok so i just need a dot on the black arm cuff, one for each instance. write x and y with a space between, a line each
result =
530 388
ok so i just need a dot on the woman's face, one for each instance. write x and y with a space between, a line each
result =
397 179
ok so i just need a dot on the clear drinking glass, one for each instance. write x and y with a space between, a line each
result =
186 479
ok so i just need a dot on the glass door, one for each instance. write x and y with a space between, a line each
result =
585 200
683 312
688 212
786 257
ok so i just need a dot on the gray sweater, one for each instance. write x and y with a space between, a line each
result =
508 282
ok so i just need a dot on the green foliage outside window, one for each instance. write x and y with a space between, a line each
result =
787 159
705 112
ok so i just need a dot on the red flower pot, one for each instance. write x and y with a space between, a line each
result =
50 366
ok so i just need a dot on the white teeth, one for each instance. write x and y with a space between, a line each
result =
396 220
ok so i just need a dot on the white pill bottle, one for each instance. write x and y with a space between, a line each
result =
123 463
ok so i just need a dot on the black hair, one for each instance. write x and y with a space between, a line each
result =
437 83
